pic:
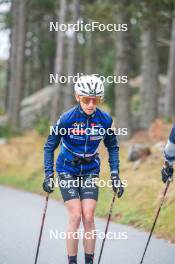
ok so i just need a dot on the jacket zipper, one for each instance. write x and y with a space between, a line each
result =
85 148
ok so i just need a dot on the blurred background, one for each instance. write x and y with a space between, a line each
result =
145 105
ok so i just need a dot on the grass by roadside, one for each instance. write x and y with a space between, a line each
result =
21 166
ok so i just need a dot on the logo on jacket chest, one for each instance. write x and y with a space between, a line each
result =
78 128
82 129
97 125
78 124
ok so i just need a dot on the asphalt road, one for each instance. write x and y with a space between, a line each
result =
20 219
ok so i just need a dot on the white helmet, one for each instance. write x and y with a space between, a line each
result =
89 85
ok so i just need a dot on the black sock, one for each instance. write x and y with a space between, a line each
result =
89 258
72 259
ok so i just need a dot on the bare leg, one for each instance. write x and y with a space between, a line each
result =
74 211
88 208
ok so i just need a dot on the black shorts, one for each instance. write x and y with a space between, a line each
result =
78 187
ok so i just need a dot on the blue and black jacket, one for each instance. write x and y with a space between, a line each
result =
79 135
169 150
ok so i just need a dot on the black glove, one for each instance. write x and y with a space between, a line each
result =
167 172
117 184
48 184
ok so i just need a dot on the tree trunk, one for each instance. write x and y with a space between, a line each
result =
170 89
12 57
88 62
122 91
17 61
71 52
150 69
12 40
56 104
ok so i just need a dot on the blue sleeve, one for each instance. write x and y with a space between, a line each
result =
169 150
51 144
111 144
172 135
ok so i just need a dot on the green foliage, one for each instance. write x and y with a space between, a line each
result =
107 68
2 112
135 103
42 126
169 119
101 12
2 75
45 5
47 48
7 20
7 132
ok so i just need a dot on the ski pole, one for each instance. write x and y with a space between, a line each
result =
42 225
107 225
157 215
